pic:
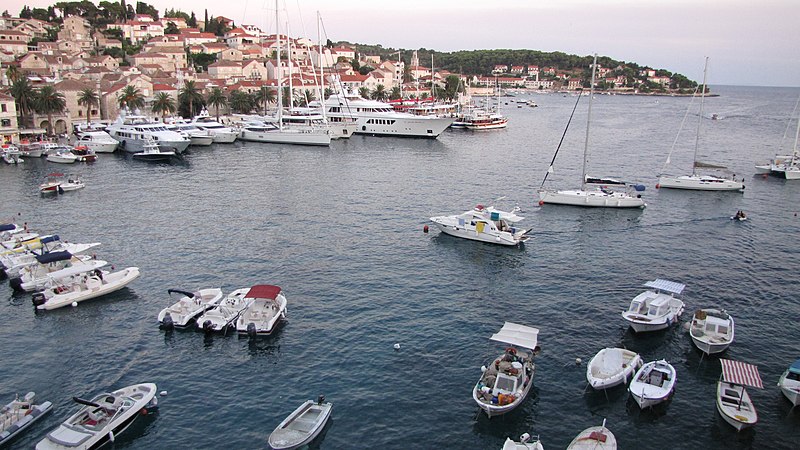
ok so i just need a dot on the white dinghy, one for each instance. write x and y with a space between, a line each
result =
612 366
302 426
790 383
18 415
733 401
712 330
188 307
653 383
224 315
89 286
656 308
506 382
101 419
484 224
526 442
265 311
594 438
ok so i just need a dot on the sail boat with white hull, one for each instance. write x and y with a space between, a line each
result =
601 196
697 181
788 168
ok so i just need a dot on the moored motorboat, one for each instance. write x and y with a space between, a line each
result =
653 383
506 381
612 366
152 152
52 185
70 291
53 266
220 133
656 308
712 330
84 153
11 154
594 438
101 419
484 224
18 415
224 315
72 183
733 401
99 141
301 426
526 442
13 263
267 308
188 307
30 149
790 383
62 156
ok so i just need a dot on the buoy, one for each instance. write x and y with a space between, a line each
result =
163 393
541 202
112 267
658 185
425 229
74 304
397 346
143 411
578 361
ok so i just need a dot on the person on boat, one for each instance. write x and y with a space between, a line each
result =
99 274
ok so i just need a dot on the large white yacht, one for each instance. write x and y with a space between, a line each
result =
133 131
260 131
380 119
198 137
222 134
95 138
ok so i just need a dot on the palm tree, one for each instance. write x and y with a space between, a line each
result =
190 96
241 102
88 97
363 91
379 93
328 92
49 101
131 97
217 98
13 74
24 96
264 97
286 96
163 104
396 93
306 97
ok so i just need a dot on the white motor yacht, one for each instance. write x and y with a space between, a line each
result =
484 224
259 131
53 265
95 138
134 131
311 117
222 134
198 137
151 151
266 310
656 308
62 155
733 401
188 307
712 330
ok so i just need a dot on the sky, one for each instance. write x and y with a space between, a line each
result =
748 42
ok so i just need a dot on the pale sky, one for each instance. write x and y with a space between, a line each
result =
748 42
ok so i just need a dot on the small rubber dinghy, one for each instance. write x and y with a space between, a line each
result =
594 438
612 366
653 383
302 426
18 415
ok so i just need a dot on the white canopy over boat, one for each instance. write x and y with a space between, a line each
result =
666 285
519 335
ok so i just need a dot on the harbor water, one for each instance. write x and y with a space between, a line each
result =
340 229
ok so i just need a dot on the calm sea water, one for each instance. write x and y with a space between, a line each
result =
340 230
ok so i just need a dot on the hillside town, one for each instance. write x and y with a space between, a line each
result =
59 68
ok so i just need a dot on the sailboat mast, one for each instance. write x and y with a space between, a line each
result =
588 123
278 65
700 120
289 66
321 70
795 156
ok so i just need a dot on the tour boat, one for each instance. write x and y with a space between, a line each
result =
99 141
18 415
611 367
506 381
151 151
733 401
790 383
301 426
485 224
11 154
712 330
53 265
188 307
72 290
224 315
266 310
220 133
134 133
656 308
594 438
100 420
653 383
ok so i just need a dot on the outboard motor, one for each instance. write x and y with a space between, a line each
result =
167 323
16 283
320 399
207 326
251 329
39 299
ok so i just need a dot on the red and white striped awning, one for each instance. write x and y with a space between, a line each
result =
741 373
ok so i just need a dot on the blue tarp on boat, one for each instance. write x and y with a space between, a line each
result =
51 238
795 367
7 227
53 257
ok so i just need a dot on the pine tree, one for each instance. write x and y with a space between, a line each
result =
124 12
205 24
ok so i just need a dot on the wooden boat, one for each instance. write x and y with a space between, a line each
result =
733 401
656 308
594 438
790 383
612 366
712 330
653 383
302 426
18 415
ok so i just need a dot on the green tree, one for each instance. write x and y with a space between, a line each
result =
163 104
379 93
192 21
131 97
240 102
264 97
395 94
363 91
144 8
25 13
13 74
190 98
216 98
48 101
171 28
88 98
305 97
328 92
24 96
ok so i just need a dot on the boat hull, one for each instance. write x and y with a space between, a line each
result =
711 343
411 127
591 198
594 438
224 137
599 378
201 141
727 406
138 145
294 138
464 233
100 147
699 183
112 283
790 388
653 383
287 437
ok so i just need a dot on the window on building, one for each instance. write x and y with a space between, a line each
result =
5 122
3 108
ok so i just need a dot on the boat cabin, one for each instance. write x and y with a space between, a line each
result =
716 326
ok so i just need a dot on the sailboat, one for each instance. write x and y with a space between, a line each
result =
602 195
697 181
788 168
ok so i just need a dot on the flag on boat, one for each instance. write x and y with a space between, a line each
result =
741 373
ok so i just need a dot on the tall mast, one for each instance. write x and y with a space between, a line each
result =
795 156
289 66
588 123
278 65
321 70
700 120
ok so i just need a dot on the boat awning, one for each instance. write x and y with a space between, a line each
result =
77 269
8 226
741 373
51 238
795 367
53 257
267 291
516 334
666 285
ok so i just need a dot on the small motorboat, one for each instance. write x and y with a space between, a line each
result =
11 154
63 155
740 216
790 383
505 382
267 308
594 438
72 183
30 149
53 266
224 315
302 426
152 152
13 263
84 153
653 383
712 330
18 415
52 185
72 290
101 419
484 224
612 366
733 401
526 442
188 307
656 308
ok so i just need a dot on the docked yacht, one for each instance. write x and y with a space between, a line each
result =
95 137
259 131
267 309
188 307
221 133
310 117
656 308
134 131
198 137
11 154
484 224
62 155
73 289
380 119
